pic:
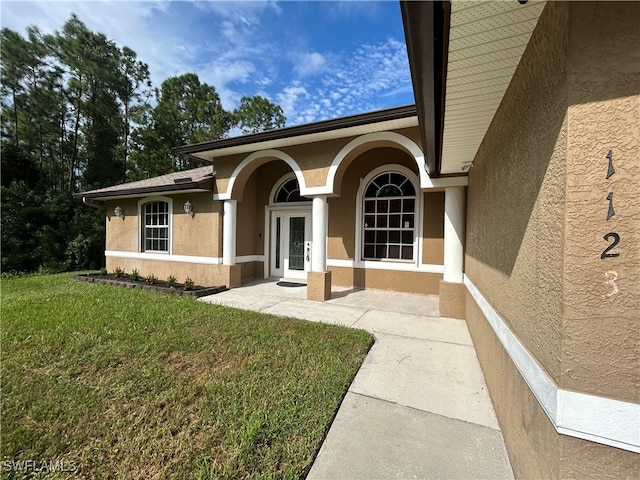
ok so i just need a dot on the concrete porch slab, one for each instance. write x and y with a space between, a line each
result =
242 300
384 301
449 330
317 312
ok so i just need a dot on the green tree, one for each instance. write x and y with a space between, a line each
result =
134 93
256 114
17 166
15 53
76 114
187 111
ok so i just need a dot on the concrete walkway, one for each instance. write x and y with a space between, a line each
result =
418 407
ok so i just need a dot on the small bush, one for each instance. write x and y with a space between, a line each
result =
189 284
103 271
134 275
152 279
118 272
171 280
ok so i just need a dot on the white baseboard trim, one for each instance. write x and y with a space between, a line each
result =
250 258
166 257
589 417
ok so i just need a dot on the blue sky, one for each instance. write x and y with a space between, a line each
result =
316 59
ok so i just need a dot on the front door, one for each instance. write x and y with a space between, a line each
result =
291 234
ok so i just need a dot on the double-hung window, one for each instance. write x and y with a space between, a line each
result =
389 218
155 231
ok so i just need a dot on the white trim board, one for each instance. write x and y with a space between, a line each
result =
589 417
165 257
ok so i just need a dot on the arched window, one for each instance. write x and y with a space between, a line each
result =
155 229
389 218
289 192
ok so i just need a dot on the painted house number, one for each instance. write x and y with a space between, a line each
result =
612 237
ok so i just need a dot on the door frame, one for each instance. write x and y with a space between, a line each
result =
284 212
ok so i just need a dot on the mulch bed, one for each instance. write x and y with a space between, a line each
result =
160 286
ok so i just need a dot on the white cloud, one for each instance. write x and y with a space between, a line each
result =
220 74
290 97
242 48
307 64
357 81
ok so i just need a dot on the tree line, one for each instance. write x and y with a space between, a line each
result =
80 112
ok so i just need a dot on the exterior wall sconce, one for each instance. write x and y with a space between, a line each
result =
188 209
118 212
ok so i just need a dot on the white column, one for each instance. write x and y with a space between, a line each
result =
319 237
229 232
454 223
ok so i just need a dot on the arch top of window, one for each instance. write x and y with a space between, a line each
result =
290 192
390 184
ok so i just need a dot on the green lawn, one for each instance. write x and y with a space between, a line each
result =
120 383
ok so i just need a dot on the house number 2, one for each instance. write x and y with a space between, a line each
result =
616 240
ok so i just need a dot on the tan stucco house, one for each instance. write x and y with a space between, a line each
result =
511 190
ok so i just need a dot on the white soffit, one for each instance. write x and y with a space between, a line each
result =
486 42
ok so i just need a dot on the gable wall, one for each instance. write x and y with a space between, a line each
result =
536 214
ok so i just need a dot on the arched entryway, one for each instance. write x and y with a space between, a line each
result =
289 216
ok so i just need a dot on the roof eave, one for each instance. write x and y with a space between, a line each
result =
426 27
205 185
300 130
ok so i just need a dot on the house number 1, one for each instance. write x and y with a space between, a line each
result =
610 170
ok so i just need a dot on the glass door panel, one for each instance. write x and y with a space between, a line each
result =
296 243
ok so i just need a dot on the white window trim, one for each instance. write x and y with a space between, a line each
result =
359 262
141 204
278 185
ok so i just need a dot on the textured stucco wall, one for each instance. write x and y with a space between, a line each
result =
197 235
601 334
394 280
531 440
515 198
536 216
246 224
433 229
122 234
193 236
206 275
535 449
